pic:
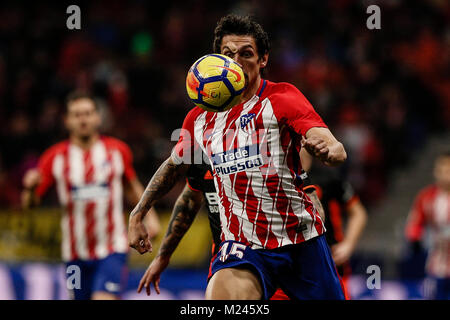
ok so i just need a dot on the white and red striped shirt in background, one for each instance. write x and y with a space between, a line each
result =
89 184
254 150
431 209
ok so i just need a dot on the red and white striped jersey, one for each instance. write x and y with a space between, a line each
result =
89 184
431 209
254 151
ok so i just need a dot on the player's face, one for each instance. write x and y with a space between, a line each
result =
243 50
442 172
83 119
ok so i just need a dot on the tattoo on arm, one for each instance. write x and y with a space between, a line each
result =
161 183
184 212
317 204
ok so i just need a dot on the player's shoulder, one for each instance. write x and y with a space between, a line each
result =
281 88
199 170
283 92
194 113
115 143
47 157
191 117
57 148
427 191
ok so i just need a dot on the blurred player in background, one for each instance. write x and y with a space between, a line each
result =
338 197
431 209
89 171
272 236
199 187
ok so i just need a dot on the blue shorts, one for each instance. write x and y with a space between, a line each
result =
104 275
304 271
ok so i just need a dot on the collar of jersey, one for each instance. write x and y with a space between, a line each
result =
261 88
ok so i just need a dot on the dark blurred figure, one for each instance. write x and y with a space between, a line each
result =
341 204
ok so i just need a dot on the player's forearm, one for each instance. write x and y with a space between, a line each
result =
184 212
162 182
356 223
29 199
321 143
135 191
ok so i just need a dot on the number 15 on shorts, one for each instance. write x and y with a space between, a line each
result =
237 249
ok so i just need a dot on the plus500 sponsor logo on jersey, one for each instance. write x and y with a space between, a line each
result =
90 191
237 160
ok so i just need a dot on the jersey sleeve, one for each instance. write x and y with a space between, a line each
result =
45 166
416 221
186 146
292 108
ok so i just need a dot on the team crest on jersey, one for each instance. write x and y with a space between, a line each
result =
248 122
105 168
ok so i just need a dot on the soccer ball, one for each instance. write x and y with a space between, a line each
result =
215 82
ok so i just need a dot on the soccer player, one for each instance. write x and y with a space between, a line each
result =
89 171
199 187
431 209
272 236
338 197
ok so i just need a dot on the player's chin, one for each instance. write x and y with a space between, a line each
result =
85 134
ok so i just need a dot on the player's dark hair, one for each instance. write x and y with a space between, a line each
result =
77 95
242 26
444 154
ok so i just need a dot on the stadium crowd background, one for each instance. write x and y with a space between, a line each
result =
383 92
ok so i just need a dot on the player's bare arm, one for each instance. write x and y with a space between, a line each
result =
162 182
31 180
134 191
321 143
186 207
357 219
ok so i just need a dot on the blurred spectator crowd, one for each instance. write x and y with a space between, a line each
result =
383 92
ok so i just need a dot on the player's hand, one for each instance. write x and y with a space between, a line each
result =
138 237
316 146
341 252
31 179
153 274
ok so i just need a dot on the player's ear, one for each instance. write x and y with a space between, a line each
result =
98 118
263 61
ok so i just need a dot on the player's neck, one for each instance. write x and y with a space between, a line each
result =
84 143
252 89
